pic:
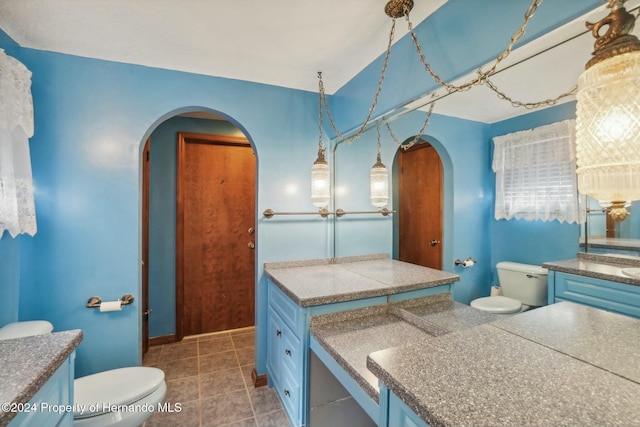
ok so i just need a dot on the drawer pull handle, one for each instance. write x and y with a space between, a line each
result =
286 392
278 332
287 352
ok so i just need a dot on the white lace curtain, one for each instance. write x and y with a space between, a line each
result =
17 208
536 174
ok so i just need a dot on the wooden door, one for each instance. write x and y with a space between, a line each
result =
215 242
146 154
420 206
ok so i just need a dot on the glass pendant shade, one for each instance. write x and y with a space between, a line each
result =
379 185
320 182
608 129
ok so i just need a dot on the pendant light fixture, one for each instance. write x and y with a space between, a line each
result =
608 114
320 174
379 180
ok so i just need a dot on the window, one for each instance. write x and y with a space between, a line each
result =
536 174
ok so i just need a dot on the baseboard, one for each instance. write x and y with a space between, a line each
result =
164 339
258 380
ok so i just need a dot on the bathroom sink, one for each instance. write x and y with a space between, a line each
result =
632 272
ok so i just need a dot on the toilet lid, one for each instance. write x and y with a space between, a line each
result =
497 304
25 329
100 393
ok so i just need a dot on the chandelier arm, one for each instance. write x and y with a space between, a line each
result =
375 98
482 75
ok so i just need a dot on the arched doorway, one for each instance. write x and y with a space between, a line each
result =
200 128
420 206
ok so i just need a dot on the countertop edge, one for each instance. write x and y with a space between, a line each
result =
565 267
350 370
355 295
29 390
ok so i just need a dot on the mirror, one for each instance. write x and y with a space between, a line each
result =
600 234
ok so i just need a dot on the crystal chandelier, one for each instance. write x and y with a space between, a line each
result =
608 114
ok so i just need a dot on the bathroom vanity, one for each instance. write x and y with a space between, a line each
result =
598 281
36 379
407 355
299 291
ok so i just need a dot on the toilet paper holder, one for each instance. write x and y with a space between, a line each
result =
464 263
94 302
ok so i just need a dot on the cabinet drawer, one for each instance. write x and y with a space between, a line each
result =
291 353
618 297
289 393
286 308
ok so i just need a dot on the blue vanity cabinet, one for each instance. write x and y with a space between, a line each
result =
288 342
395 413
288 347
51 405
608 295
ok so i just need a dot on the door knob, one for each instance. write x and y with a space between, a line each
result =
251 230
434 242
251 245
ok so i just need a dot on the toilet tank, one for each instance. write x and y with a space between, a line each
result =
524 282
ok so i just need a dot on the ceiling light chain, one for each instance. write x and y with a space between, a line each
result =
418 137
482 75
375 98
529 105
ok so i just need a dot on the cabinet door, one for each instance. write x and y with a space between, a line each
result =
400 415
613 296
274 345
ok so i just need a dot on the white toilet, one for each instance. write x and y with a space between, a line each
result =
123 397
523 286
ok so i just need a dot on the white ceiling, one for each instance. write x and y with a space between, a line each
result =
283 43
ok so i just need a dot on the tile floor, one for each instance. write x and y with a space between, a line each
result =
210 377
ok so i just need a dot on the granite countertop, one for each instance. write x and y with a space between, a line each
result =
439 314
598 266
28 362
563 364
350 336
322 282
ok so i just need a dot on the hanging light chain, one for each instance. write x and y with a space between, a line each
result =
482 75
323 96
418 137
320 115
530 105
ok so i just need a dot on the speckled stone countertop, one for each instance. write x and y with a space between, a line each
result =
350 339
607 340
439 314
27 363
350 336
543 367
598 266
316 282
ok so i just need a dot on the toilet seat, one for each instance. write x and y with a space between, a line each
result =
497 304
25 329
99 393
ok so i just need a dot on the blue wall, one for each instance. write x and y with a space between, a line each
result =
162 216
92 118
